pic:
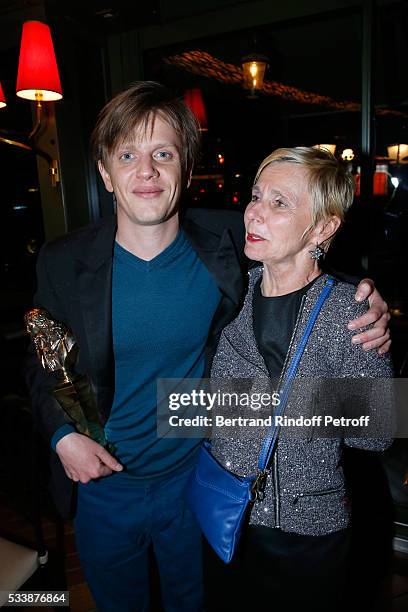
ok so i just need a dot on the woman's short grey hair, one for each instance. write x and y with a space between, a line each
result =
331 186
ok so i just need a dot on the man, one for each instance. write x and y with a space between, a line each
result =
146 298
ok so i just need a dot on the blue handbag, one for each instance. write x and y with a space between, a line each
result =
219 499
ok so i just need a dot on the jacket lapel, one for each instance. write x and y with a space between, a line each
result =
219 255
94 276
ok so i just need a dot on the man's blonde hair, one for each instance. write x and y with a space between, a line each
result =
331 186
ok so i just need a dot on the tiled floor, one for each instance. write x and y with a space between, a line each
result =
63 549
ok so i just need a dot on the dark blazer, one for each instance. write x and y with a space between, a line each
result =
74 283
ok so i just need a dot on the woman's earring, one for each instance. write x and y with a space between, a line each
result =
317 253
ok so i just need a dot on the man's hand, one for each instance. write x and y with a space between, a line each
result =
379 336
84 459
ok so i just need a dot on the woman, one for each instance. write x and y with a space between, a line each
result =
295 550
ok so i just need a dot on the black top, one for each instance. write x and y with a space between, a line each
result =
274 319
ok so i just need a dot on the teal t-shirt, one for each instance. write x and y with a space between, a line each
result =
161 315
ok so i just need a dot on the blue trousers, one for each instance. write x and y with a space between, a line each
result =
116 523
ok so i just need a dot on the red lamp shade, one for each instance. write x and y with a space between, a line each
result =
2 98
194 100
38 77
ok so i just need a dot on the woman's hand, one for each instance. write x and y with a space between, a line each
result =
378 337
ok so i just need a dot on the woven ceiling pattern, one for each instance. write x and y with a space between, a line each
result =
204 64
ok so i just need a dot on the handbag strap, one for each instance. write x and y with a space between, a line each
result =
272 436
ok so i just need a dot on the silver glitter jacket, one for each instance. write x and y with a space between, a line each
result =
305 489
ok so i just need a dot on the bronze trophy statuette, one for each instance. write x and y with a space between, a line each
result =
57 350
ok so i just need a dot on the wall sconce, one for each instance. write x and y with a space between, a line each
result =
254 67
194 100
380 180
326 147
3 102
347 155
397 153
37 80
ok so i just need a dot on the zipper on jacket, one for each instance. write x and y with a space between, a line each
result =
275 470
317 493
